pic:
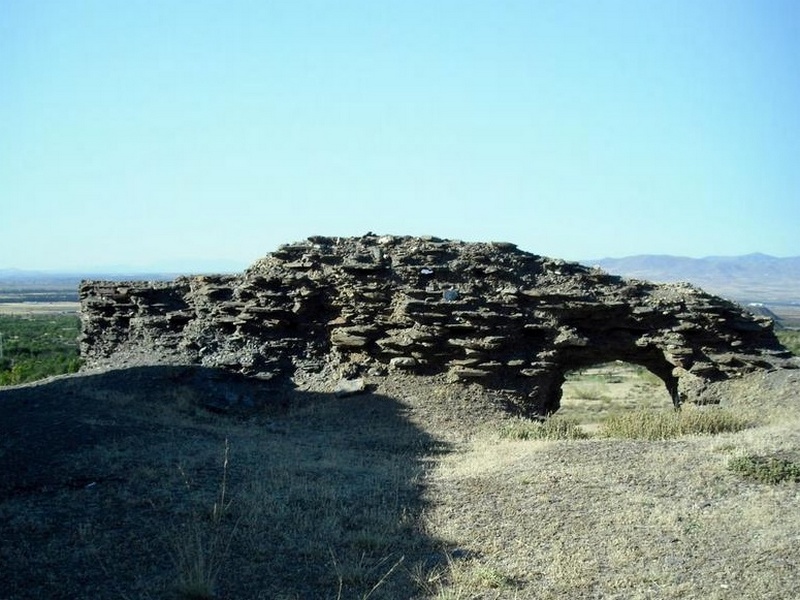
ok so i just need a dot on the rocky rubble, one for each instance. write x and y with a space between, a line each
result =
488 313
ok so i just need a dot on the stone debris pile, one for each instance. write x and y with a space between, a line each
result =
489 313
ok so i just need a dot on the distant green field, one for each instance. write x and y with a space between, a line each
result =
36 346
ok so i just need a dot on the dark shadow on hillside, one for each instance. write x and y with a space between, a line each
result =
116 484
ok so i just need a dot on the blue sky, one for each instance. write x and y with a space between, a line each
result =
150 133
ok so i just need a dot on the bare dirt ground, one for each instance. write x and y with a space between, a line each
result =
137 484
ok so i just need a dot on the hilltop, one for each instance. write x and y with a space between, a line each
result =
218 459
131 484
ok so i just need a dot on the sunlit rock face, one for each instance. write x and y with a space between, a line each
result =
487 313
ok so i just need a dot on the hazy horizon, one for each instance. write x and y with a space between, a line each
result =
198 266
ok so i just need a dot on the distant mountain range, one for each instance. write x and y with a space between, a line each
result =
748 278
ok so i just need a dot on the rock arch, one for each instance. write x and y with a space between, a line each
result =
549 395
480 312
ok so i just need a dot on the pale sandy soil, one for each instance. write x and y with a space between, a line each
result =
38 308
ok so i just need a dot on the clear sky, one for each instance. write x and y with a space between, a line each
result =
144 132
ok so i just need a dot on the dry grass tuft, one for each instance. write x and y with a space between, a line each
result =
665 425
199 555
202 544
552 428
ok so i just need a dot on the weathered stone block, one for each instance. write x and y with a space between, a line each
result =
489 313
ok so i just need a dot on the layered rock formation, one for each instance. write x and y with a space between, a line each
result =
481 312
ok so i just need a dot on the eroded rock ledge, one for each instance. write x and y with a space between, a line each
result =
480 312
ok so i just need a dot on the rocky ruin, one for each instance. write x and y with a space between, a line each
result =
330 309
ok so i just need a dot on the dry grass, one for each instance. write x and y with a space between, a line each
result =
322 500
626 519
552 428
592 395
202 544
665 425
423 490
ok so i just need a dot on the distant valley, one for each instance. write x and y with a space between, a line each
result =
752 278
51 286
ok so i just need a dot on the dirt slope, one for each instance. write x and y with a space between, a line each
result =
135 484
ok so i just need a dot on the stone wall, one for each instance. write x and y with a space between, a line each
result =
481 312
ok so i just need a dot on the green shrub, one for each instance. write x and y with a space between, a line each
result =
648 425
552 428
35 347
790 338
766 469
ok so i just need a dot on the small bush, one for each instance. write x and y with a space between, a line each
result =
766 469
552 428
647 425
790 338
